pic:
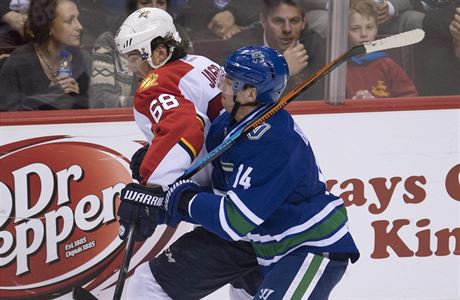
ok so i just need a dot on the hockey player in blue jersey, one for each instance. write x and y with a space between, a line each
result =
268 188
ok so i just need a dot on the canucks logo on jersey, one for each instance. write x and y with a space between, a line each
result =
259 131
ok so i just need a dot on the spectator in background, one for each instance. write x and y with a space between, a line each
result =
97 17
234 16
28 79
454 29
217 19
395 16
317 14
437 57
13 15
14 18
284 28
372 75
113 79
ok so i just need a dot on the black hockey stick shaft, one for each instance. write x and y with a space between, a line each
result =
125 265
80 293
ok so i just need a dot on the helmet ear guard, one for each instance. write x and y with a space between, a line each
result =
261 67
141 27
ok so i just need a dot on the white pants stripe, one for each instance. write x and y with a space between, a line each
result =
303 270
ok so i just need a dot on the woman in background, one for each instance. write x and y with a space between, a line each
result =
29 79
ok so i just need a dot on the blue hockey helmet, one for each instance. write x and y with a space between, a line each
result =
261 67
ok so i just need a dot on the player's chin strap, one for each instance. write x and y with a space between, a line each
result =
236 106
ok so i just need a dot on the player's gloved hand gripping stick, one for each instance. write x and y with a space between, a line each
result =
394 41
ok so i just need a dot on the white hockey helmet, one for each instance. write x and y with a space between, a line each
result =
141 27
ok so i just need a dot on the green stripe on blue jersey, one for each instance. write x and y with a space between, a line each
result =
319 232
236 219
308 277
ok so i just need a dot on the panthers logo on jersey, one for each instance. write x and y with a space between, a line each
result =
150 81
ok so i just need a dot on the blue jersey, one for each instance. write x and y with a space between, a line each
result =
269 189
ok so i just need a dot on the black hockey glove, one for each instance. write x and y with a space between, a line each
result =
178 198
143 206
136 161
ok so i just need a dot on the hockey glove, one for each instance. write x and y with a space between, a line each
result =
178 198
136 161
140 205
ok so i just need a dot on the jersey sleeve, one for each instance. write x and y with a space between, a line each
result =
177 130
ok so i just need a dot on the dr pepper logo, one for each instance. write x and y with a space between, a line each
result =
58 224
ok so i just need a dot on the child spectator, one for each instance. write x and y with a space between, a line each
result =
29 79
372 75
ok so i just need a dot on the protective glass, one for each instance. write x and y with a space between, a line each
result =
128 64
222 77
122 65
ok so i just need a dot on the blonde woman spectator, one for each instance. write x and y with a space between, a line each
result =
373 75
29 78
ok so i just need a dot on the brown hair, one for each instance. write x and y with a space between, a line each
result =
270 5
41 14
180 49
367 8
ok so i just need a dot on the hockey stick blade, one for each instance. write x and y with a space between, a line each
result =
80 293
394 41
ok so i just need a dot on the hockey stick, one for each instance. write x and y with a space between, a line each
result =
80 293
395 41
125 265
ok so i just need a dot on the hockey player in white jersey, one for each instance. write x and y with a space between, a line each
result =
268 188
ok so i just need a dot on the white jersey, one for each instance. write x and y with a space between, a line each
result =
173 107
